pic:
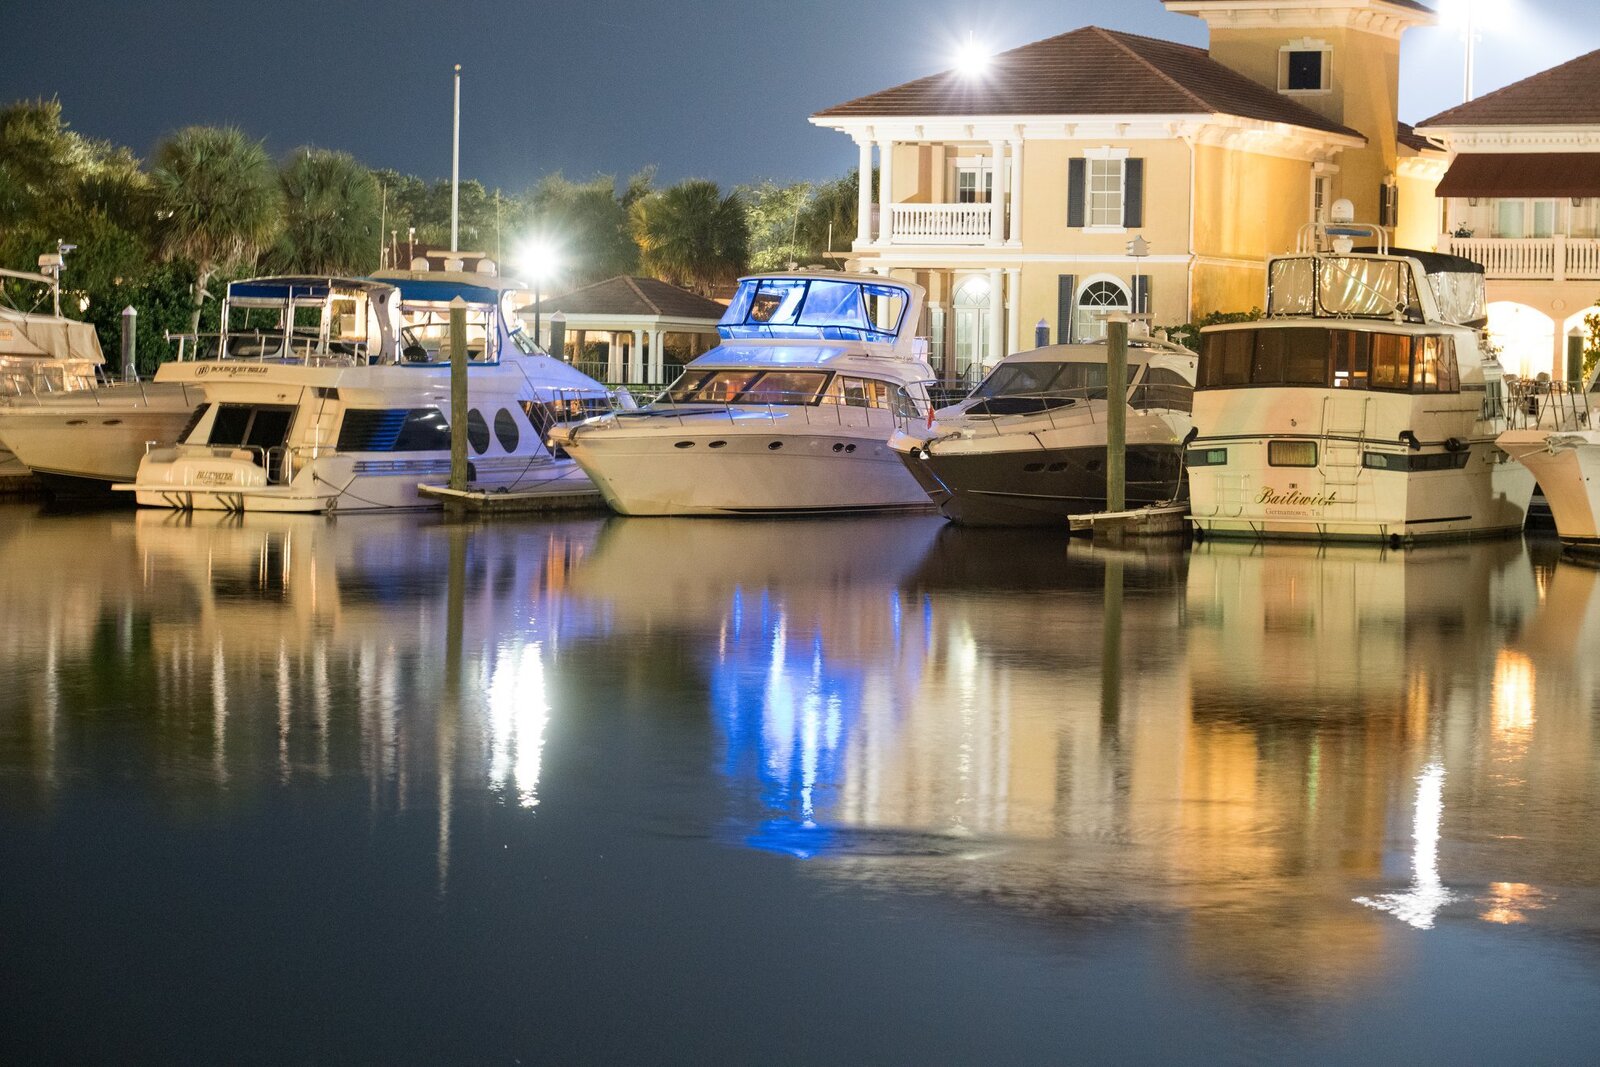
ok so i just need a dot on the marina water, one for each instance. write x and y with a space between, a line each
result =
388 789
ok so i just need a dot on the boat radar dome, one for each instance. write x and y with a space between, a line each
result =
1342 211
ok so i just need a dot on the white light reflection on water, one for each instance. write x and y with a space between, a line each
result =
519 710
1419 905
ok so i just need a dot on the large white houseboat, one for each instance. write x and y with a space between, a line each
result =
1028 447
1365 405
353 413
792 413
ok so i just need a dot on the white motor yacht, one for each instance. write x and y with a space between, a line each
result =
355 415
792 413
1556 435
44 359
1028 447
1365 405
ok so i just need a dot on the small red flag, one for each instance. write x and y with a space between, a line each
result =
930 414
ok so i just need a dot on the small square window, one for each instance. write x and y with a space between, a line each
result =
1303 70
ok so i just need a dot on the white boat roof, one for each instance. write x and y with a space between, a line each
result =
27 335
432 282
809 355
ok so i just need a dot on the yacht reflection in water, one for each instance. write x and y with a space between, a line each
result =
406 654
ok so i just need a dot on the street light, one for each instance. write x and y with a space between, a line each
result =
971 59
538 259
1474 16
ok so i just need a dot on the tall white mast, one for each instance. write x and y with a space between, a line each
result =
455 171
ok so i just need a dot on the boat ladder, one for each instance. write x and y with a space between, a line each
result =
1344 438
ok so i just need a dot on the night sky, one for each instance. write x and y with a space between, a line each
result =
713 88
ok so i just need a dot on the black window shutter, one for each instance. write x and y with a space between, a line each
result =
1133 194
1077 182
1141 294
1067 289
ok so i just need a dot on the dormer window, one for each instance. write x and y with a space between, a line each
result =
1303 67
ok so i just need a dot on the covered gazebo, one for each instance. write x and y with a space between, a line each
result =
639 320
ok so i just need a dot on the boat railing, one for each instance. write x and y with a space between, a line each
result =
1070 406
1557 406
777 405
263 346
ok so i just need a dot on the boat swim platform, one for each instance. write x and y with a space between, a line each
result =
1115 527
547 500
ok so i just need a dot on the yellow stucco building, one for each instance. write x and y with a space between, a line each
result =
1014 194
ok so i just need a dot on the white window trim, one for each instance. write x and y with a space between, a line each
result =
978 165
1305 44
1125 284
1106 153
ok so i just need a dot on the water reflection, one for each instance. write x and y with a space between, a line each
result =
1292 757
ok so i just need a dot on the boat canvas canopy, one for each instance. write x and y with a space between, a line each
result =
45 336
442 292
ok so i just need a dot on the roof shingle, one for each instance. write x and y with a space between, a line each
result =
625 295
1092 71
1568 95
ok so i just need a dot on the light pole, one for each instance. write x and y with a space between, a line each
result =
539 259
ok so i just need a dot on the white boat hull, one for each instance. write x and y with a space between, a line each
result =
96 441
1567 467
187 481
720 467
1489 496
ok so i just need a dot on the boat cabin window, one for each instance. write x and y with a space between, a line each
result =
393 430
1337 359
858 393
749 386
250 425
1164 388
1025 379
814 307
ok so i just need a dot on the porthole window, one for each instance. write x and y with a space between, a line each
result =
683 444
717 444
505 430
838 448
774 446
1033 468
477 432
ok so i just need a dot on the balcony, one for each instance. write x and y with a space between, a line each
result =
1559 258
942 224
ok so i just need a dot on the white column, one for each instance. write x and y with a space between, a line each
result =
885 190
1013 309
636 358
997 198
997 314
614 358
864 195
658 358
1016 193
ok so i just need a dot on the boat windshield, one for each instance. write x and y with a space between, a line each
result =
1033 379
1329 359
750 385
823 308
425 333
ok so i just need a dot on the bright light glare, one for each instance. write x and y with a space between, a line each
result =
538 259
971 58
1484 14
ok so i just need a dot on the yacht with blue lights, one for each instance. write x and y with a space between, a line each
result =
334 395
790 414
1365 406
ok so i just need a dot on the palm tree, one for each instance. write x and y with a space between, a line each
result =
219 199
331 215
692 235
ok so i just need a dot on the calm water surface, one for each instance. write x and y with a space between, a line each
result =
863 791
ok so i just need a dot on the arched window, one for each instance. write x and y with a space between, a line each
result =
1094 300
972 305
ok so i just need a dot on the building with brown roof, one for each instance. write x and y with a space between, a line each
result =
1522 197
643 330
1013 194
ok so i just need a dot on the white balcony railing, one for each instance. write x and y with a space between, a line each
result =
941 224
1557 258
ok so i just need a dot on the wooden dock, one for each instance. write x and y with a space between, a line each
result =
549 500
1115 527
